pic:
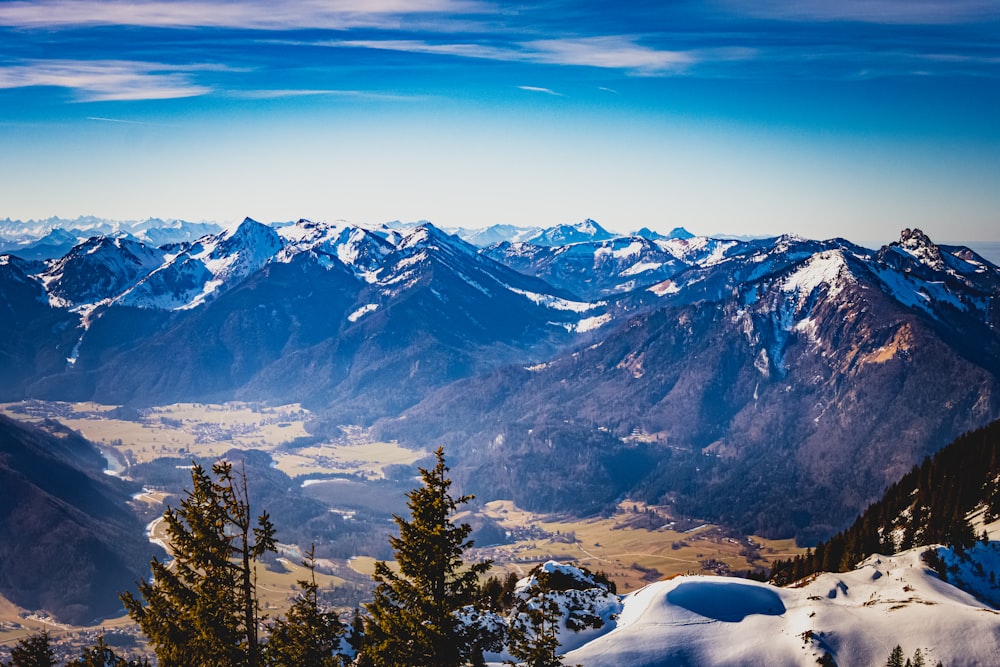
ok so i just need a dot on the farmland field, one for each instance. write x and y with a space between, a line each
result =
635 546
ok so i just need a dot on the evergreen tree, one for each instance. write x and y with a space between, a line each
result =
896 657
413 618
32 651
201 607
308 636
534 632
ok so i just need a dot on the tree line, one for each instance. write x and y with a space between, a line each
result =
429 609
929 505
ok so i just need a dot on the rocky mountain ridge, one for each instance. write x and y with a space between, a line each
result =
718 374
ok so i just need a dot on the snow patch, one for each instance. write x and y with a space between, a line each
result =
591 323
555 302
631 249
362 311
641 267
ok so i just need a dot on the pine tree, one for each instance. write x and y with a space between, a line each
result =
413 617
32 651
533 632
201 607
308 636
896 657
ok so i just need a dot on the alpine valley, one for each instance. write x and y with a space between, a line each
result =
774 386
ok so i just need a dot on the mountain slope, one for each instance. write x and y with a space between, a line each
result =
99 268
35 337
856 617
793 370
929 505
68 540
940 600
192 275
366 321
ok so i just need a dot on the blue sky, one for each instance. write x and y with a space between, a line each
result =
853 118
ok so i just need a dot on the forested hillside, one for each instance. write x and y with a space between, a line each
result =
929 505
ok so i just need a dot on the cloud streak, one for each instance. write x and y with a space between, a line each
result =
610 52
121 121
107 80
274 94
539 89
244 14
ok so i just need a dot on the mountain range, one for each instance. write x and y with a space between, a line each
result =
776 385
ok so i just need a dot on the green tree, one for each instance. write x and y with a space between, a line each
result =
534 632
308 636
32 651
201 607
413 615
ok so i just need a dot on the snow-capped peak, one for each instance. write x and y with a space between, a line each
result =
427 235
251 240
825 268
222 260
587 230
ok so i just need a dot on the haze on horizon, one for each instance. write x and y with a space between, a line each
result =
852 119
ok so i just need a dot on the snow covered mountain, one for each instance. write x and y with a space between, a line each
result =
191 275
588 230
497 234
812 356
601 268
99 268
15 235
775 368
344 306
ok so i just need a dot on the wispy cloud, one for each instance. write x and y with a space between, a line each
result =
897 12
107 80
120 121
538 89
245 14
270 94
612 52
